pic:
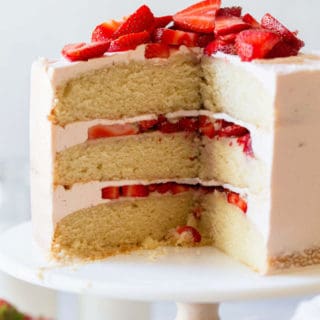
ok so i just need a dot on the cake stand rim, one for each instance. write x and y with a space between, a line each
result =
19 260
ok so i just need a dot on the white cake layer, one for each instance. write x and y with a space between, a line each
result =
287 214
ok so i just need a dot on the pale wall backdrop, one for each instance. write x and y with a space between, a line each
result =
33 28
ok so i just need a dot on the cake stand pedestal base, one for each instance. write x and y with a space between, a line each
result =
200 311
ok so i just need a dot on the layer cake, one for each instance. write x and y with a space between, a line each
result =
130 151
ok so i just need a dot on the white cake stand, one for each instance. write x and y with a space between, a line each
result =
198 278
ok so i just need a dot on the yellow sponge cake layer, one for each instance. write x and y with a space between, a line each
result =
130 89
107 229
149 156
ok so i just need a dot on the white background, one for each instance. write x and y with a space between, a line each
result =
32 28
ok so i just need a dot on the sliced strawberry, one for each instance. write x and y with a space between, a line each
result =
162 22
236 200
206 190
233 131
229 24
179 188
199 17
105 30
114 130
255 43
196 236
230 11
229 38
204 39
189 124
110 192
248 18
83 51
271 23
176 37
129 41
157 50
206 127
221 123
220 45
246 142
169 127
146 125
282 49
141 20
137 190
164 187
152 187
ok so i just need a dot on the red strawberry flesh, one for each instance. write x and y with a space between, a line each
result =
162 22
196 236
146 125
229 24
232 131
246 142
176 37
230 11
220 45
157 50
83 51
115 130
255 43
141 20
138 190
110 193
129 41
271 23
248 18
199 17
105 31
236 200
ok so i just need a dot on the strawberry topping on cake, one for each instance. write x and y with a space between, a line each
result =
205 24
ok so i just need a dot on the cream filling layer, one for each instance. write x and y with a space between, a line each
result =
77 132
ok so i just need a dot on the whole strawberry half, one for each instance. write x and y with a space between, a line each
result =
199 17
255 43
83 51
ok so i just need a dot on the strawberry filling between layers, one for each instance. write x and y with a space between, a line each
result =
202 125
142 191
